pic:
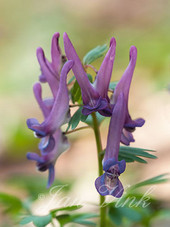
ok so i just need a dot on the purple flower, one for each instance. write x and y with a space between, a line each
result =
49 154
53 142
95 97
59 111
109 183
123 87
50 71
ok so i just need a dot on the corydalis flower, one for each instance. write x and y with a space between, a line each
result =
49 155
95 97
50 71
123 87
109 183
59 111
53 142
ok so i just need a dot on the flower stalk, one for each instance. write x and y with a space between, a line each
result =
100 167
77 129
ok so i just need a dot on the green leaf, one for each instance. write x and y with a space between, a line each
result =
76 218
94 54
113 84
69 208
71 80
127 159
132 157
76 93
115 216
130 213
155 180
137 151
12 204
130 154
75 119
89 119
35 185
39 221
90 77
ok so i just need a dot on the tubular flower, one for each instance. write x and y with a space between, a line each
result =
59 111
49 154
50 71
53 143
123 87
109 183
95 97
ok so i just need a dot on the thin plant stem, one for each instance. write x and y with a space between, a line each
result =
77 129
52 223
92 67
75 105
100 172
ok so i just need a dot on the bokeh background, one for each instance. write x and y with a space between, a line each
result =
25 25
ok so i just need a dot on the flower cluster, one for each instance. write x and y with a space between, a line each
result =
55 110
95 98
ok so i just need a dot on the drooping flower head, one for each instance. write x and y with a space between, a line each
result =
123 86
109 183
94 95
50 71
55 112
59 112
49 154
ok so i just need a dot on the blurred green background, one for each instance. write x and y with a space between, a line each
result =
25 25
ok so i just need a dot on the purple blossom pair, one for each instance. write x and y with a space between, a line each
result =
55 110
95 98
120 130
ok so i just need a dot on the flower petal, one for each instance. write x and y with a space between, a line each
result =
56 54
100 105
59 111
132 124
34 157
105 72
34 125
88 92
115 129
47 144
47 73
122 166
127 137
38 95
125 81
51 175
106 186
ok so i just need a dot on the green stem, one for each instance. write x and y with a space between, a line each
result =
77 129
99 150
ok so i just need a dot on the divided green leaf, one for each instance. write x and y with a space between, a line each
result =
71 80
113 84
11 203
118 214
38 221
76 93
76 118
69 208
131 154
155 180
76 218
94 54
89 119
